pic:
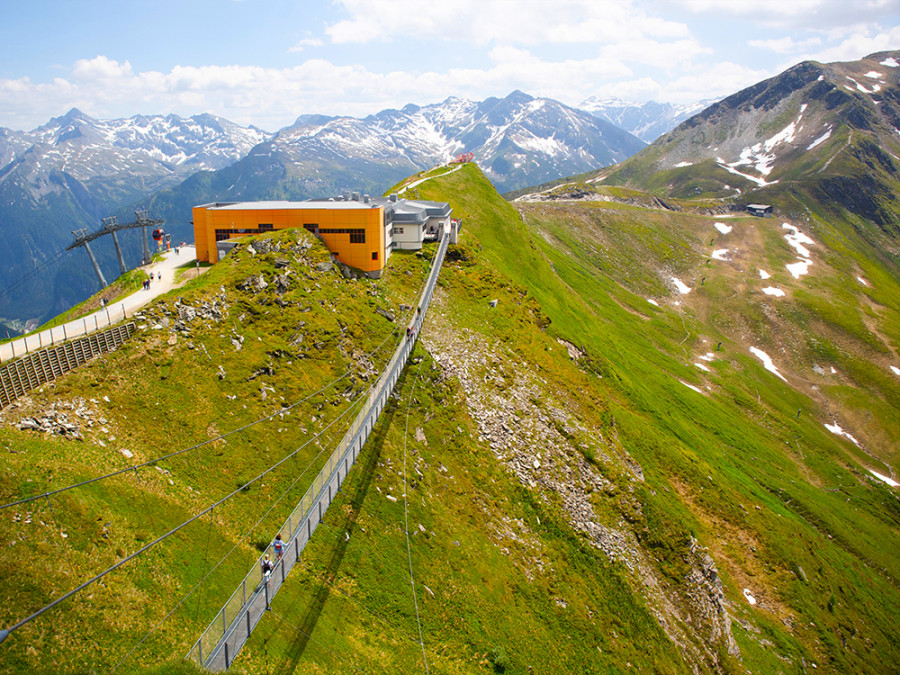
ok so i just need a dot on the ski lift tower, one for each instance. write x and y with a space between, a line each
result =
112 226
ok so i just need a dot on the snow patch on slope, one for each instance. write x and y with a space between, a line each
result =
884 479
723 228
837 431
821 139
766 361
683 288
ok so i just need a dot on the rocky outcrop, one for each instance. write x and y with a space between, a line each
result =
535 432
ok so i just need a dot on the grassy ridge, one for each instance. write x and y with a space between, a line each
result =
504 580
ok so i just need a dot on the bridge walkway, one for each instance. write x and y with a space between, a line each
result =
223 639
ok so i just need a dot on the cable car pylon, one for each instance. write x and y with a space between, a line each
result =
111 226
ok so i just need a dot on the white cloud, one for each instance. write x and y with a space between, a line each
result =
100 68
300 45
816 14
721 79
500 22
855 43
785 45
273 97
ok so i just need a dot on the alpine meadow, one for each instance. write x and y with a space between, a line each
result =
650 423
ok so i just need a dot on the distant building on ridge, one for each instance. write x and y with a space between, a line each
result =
360 232
761 210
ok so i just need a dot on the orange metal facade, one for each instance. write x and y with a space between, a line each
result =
353 231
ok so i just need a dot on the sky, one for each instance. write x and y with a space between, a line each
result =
265 62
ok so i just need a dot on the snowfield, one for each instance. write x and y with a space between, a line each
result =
766 361
798 269
682 288
837 431
771 290
723 228
884 479
821 139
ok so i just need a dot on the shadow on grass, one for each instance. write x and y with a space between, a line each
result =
307 624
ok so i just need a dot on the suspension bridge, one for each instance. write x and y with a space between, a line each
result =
221 641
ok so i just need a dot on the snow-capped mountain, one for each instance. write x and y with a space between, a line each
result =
518 140
831 130
648 121
158 149
75 170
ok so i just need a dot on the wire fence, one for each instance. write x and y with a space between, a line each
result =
25 374
22 346
223 638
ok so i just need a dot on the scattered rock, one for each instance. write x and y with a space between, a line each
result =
385 313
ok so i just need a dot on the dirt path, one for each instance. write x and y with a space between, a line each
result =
163 272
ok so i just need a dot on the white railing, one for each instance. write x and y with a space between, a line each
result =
229 630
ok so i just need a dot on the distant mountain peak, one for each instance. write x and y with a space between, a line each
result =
648 121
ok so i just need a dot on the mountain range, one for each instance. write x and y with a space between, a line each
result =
642 428
75 170
648 121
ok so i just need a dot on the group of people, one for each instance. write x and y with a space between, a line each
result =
267 565
147 281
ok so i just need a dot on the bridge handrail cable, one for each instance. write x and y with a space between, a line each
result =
214 641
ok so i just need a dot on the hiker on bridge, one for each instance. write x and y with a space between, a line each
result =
267 568
278 545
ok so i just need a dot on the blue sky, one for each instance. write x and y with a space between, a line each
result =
264 62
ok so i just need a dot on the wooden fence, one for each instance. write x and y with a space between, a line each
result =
23 375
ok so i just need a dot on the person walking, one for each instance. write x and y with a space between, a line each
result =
266 568
278 545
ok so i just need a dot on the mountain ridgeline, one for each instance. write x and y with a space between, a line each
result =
642 429
76 170
829 131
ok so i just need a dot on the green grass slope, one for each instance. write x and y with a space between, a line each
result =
543 494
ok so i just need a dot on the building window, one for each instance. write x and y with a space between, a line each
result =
398 230
266 227
311 227
374 255
357 236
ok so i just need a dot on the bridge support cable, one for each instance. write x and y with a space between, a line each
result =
242 538
223 436
220 643
412 579
5 633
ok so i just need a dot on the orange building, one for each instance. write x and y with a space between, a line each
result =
360 232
